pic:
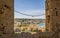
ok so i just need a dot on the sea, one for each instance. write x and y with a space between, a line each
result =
41 24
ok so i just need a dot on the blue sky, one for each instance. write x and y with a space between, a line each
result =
31 7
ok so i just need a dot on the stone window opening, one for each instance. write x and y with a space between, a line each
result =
56 13
27 23
48 18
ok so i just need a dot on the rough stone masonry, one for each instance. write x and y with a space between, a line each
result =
52 20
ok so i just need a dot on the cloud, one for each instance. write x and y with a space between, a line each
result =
30 12
33 12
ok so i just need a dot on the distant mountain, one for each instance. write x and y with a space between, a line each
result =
26 19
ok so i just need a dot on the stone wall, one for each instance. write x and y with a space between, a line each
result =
6 18
52 21
53 17
52 14
37 35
